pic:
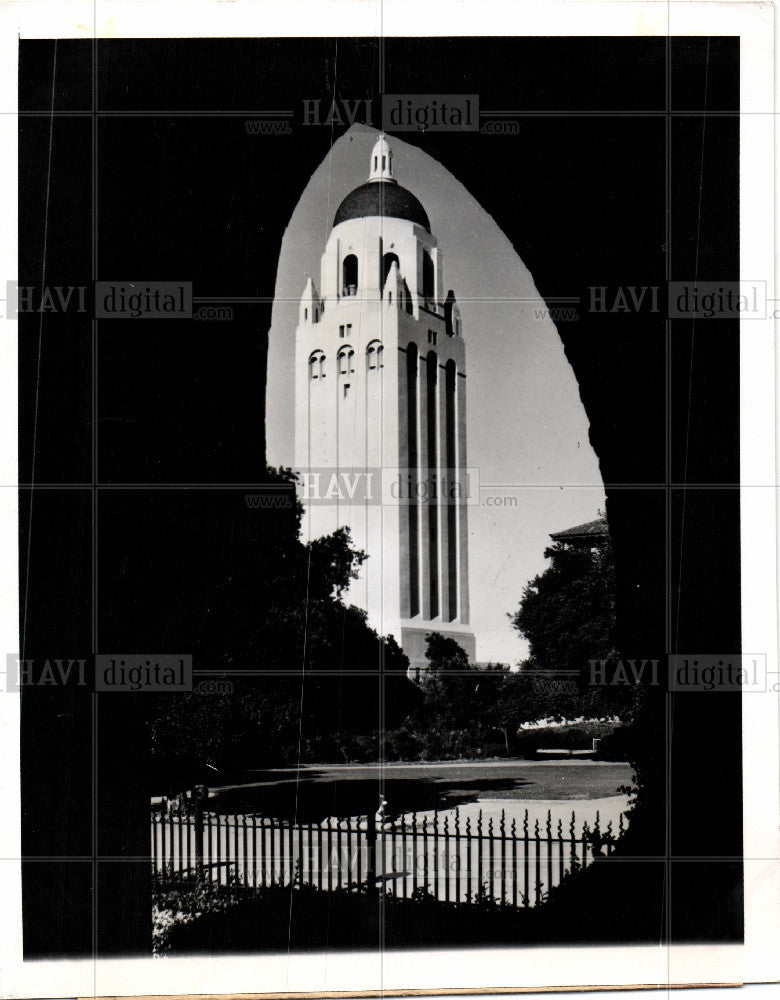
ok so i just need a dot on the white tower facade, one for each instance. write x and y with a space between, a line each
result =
380 405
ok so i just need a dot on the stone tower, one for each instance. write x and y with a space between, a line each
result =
380 404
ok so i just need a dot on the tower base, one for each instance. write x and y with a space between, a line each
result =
414 644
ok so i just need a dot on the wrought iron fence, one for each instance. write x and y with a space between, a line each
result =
445 857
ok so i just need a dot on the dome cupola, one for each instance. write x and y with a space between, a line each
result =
381 161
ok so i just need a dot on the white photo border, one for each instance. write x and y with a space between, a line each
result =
439 970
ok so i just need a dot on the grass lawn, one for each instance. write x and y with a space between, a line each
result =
319 791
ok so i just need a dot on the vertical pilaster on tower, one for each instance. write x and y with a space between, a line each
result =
463 518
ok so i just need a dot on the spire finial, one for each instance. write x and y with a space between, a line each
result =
381 165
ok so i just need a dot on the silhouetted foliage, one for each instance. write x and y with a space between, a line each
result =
567 613
299 631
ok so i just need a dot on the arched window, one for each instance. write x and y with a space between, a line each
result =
375 355
427 276
387 262
317 364
350 272
346 359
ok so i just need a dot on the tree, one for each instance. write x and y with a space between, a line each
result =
295 626
508 699
445 654
567 613
448 684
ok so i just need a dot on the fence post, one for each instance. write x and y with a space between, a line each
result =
371 853
199 795
502 831
549 852
573 838
609 838
526 861
538 850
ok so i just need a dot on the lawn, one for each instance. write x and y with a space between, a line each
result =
319 791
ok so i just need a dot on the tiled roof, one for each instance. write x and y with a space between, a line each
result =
591 529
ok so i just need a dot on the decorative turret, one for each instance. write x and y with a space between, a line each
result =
310 307
452 315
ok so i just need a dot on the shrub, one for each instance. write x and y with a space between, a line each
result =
358 748
402 744
180 902
620 744
577 736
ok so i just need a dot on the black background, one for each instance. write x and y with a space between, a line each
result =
610 198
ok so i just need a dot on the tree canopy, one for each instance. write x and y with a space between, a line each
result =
311 656
567 613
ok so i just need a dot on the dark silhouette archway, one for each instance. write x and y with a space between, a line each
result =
583 200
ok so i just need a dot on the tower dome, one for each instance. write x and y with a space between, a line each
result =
382 195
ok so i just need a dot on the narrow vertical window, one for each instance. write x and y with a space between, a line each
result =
412 510
387 262
433 470
427 277
452 508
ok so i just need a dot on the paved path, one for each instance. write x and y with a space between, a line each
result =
608 809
